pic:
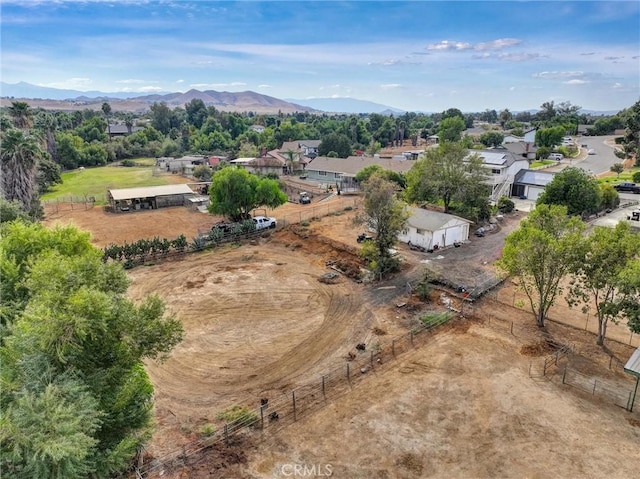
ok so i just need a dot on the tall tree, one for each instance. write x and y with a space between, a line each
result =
21 114
446 174
74 385
106 109
540 253
386 216
603 275
450 129
196 112
47 124
19 161
336 142
235 192
574 188
492 138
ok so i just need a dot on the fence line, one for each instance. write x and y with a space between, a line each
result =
590 320
280 411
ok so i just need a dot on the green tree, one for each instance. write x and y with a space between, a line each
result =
550 137
450 129
574 188
617 168
631 119
386 216
540 253
74 343
161 117
335 142
47 175
605 275
365 173
447 173
46 123
202 173
492 138
19 157
636 177
609 196
235 192
196 112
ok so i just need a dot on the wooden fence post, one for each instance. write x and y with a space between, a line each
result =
393 347
293 395
323 392
262 406
226 434
348 375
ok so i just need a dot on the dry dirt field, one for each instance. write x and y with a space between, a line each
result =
259 323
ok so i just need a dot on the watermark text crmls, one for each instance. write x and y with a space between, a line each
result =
306 470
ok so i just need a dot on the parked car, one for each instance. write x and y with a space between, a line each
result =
264 222
591 152
628 187
362 237
556 156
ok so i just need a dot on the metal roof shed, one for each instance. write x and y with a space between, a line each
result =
633 367
151 197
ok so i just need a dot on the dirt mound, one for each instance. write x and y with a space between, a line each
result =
541 348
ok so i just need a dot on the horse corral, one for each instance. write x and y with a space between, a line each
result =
260 322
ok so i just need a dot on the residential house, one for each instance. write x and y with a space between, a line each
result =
530 183
502 166
183 165
257 128
121 129
308 148
433 229
521 149
342 171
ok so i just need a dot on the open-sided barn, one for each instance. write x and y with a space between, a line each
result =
149 197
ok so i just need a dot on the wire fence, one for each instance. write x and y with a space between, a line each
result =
72 203
280 411
575 318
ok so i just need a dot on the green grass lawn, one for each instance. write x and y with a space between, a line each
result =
96 181
625 177
541 163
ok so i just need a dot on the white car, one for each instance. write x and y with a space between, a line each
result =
591 152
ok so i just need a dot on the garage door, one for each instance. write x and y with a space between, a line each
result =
534 192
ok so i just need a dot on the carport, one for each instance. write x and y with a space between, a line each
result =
633 367
148 197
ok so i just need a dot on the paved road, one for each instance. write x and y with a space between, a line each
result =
604 157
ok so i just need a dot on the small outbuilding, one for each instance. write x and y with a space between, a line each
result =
530 183
633 367
149 197
434 230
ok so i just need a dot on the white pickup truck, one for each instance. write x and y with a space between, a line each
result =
264 222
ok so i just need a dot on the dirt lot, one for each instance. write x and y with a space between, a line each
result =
259 323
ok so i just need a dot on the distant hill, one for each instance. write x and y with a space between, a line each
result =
56 99
347 105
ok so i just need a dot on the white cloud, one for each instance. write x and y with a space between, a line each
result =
575 81
498 44
71 83
558 74
216 85
265 86
617 85
448 45
134 81
512 88
519 57
389 86
180 81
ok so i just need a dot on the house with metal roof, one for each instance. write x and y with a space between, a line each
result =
342 171
502 166
531 183
149 197
433 229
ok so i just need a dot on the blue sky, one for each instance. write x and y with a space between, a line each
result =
417 56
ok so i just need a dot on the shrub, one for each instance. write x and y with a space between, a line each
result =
636 177
128 163
238 414
207 430
505 205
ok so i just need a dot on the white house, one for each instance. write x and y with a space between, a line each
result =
501 166
434 230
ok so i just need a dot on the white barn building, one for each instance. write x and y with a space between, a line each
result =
434 230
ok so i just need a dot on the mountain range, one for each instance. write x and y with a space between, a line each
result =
54 98
59 99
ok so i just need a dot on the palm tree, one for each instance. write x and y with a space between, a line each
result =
106 109
47 124
21 113
18 162
291 160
